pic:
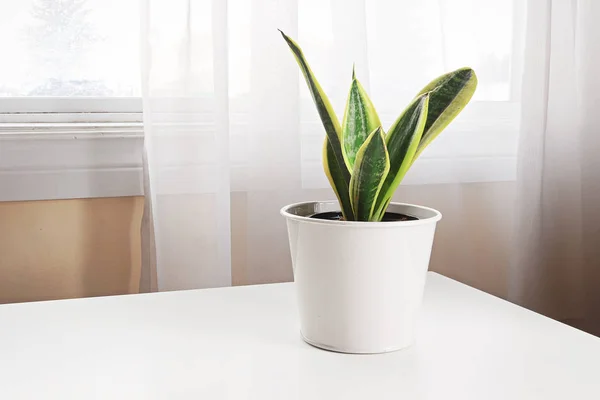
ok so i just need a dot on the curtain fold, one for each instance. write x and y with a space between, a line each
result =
186 123
556 258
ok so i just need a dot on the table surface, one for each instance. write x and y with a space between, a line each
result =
244 343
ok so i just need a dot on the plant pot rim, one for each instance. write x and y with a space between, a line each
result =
293 212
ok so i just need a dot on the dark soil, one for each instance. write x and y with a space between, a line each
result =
387 217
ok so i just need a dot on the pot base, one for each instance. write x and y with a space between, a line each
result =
352 351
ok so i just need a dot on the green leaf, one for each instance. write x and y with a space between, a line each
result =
448 95
360 119
370 169
402 141
328 117
336 179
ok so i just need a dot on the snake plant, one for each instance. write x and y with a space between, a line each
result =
363 163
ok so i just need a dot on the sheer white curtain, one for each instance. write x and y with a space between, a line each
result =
232 134
556 266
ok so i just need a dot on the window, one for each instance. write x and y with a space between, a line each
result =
70 107
69 56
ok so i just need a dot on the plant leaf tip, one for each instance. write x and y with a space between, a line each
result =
470 70
285 37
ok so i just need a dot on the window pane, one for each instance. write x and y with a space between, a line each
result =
69 48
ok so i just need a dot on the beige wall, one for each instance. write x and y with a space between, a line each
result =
69 248
473 239
75 248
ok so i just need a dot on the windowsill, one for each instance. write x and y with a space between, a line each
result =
44 161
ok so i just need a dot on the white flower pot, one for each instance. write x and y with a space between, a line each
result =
359 284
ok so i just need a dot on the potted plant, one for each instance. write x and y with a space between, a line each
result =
360 263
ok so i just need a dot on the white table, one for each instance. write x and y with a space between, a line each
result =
243 343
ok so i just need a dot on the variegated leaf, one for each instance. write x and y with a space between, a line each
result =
402 141
336 179
370 170
360 119
448 95
324 108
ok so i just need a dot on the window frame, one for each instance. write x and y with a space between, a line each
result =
70 109
65 148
